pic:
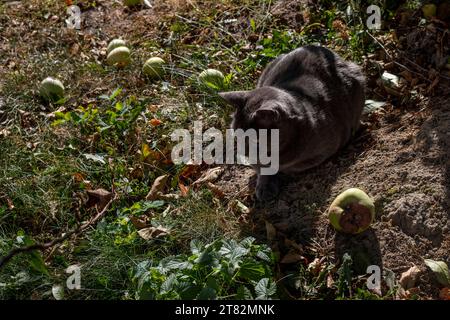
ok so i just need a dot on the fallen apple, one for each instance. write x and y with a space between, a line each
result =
429 11
154 68
352 211
119 56
212 78
51 89
116 43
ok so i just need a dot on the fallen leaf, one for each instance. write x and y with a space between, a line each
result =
184 190
315 266
216 190
169 196
444 294
95 157
155 122
440 269
209 176
99 198
157 188
330 281
74 49
149 154
138 223
153 232
10 203
409 277
189 170
78 177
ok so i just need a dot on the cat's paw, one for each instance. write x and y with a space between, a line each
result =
267 188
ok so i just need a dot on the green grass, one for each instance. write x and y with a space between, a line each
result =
43 157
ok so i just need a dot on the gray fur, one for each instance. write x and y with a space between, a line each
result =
313 97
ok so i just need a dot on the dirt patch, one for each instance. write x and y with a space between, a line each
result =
403 163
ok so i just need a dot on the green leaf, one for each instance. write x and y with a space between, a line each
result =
265 289
244 293
37 262
441 271
196 246
253 25
115 93
345 274
207 293
251 270
173 263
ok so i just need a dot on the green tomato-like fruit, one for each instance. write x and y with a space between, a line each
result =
116 43
51 89
130 3
154 68
429 11
352 211
119 56
212 78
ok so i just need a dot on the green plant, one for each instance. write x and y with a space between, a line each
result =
219 270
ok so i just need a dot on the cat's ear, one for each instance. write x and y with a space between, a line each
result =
265 116
238 99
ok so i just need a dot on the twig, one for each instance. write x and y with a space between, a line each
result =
407 60
43 246
393 60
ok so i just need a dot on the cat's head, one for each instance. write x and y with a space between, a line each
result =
262 108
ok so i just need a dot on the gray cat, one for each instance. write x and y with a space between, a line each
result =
313 97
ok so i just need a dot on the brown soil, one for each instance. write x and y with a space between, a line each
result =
404 164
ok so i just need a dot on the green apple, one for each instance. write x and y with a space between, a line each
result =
429 11
119 56
116 43
352 211
212 78
51 89
154 68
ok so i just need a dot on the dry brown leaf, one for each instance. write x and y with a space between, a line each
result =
315 266
138 223
210 176
215 189
10 203
169 196
444 294
409 277
238 206
153 232
157 188
74 49
99 198
155 122
184 190
78 177
330 281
